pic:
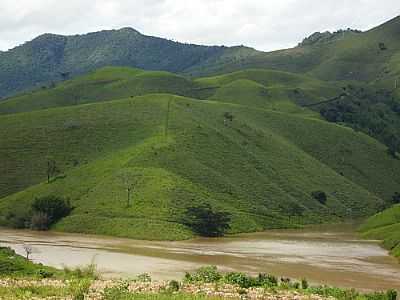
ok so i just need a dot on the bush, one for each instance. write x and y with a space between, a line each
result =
48 210
267 280
391 295
40 221
206 222
304 284
207 274
144 277
45 273
396 198
320 196
240 279
173 286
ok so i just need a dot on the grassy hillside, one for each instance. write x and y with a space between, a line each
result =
102 85
178 152
257 88
368 56
385 226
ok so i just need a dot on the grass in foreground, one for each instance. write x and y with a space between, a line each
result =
22 279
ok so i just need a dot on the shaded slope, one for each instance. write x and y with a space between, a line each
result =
254 167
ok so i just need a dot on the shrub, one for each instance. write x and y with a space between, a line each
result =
173 286
267 280
144 277
396 198
240 279
320 196
207 274
45 273
206 222
304 284
391 295
40 221
48 210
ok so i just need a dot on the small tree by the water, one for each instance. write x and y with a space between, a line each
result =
204 221
28 250
48 210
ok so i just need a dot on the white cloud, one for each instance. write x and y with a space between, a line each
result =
263 24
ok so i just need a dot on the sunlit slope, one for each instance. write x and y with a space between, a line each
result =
385 226
102 85
262 167
256 88
371 56
269 89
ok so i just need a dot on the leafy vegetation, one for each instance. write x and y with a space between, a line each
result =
205 222
15 265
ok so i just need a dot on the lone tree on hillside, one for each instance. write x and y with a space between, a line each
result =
204 221
396 198
393 143
130 181
320 196
52 170
228 117
64 75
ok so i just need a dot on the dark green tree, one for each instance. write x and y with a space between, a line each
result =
320 196
396 198
204 221
48 210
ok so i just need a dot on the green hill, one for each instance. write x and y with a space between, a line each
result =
51 58
385 226
262 166
369 56
258 88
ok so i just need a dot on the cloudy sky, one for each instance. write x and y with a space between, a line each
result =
263 24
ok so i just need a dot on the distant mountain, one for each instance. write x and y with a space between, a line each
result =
327 37
51 58
371 56
349 54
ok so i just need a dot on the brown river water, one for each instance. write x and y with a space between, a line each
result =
324 255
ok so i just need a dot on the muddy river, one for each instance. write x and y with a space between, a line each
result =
323 255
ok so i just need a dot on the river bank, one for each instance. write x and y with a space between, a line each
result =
334 256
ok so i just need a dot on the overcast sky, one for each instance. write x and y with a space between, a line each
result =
262 24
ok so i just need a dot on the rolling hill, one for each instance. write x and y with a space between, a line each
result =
51 58
371 56
256 136
385 226
170 136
